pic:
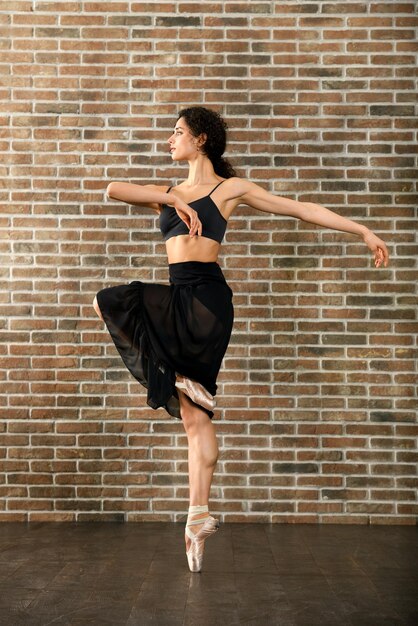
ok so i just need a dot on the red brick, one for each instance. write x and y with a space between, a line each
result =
316 411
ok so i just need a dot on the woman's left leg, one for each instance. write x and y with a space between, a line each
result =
203 449
203 455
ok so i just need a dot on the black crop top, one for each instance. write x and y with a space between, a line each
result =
213 222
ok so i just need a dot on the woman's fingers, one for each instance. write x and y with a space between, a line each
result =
198 227
191 218
385 255
379 249
195 224
381 255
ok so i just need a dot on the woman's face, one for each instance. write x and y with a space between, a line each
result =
183 145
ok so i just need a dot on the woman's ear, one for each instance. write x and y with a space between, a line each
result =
202 140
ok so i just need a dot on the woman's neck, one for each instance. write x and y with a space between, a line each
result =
201 172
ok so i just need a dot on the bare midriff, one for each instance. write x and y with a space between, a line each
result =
183 248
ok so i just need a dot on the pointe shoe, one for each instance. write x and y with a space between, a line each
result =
196 392
195 552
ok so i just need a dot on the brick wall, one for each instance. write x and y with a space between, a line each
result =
316 417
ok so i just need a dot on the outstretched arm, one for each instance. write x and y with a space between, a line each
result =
255 196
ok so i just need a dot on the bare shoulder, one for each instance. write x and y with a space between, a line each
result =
236 186
158 187
155 205
232 193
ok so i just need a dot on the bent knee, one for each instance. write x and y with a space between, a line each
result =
97 308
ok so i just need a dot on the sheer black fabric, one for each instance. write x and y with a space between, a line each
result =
164 330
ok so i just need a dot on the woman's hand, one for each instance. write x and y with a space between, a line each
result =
378 247
189 216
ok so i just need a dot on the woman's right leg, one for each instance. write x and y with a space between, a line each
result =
97 308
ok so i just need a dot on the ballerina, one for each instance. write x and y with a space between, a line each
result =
172 338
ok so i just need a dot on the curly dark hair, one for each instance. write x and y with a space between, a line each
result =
202 120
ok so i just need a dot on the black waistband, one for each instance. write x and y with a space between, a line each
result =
188 272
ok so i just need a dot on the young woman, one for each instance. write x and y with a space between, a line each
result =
172 338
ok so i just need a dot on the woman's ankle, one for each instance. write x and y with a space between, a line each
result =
198 508
198 513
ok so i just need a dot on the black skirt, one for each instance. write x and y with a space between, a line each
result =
173 336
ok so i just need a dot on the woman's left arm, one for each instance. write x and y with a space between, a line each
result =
255 196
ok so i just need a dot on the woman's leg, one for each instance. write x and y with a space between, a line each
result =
97 308
202 456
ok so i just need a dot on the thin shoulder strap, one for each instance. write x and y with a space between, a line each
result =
166 192
216 187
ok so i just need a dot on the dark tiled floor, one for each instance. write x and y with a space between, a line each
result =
253 574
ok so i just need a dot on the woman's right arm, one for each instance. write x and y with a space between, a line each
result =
152 196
